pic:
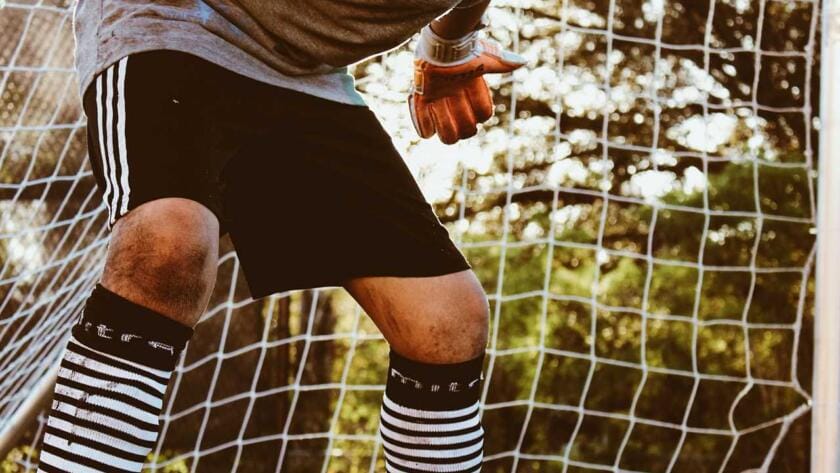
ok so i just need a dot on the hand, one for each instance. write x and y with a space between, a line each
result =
450 96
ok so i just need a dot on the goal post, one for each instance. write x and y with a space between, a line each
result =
826 398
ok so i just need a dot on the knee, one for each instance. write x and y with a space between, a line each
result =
454 328
475 316
164 252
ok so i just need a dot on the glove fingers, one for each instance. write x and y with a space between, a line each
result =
446 127
421 116
481 99
462 113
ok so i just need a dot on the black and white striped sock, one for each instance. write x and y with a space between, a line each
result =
110 389
430 418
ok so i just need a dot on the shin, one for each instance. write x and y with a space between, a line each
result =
117 365
437 328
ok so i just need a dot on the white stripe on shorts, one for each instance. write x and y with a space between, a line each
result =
126 189
100 125
109 142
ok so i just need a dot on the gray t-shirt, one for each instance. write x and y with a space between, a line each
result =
304 45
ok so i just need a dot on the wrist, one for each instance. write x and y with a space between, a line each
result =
461 20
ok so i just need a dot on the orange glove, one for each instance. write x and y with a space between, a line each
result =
450 96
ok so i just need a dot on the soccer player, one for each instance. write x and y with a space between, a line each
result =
219 116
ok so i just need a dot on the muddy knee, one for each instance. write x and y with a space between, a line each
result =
163 255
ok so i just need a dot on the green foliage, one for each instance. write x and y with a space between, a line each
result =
16 458
177 466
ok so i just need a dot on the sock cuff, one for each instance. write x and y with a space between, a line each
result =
464 371
119 327
437 386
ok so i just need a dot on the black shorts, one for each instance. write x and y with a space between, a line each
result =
312 192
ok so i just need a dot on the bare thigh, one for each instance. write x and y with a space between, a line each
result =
441 319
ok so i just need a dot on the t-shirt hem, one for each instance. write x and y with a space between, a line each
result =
335 86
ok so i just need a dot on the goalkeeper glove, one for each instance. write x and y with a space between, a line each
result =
449 96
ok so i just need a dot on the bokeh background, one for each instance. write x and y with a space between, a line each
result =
640 211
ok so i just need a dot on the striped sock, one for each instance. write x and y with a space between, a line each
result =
430 418
110 389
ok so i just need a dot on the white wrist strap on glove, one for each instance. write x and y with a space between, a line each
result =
448 52
445 52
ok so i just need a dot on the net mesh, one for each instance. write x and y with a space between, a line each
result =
640 212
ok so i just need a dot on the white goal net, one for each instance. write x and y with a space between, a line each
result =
640 211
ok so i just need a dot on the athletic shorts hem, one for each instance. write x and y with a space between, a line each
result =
264 287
